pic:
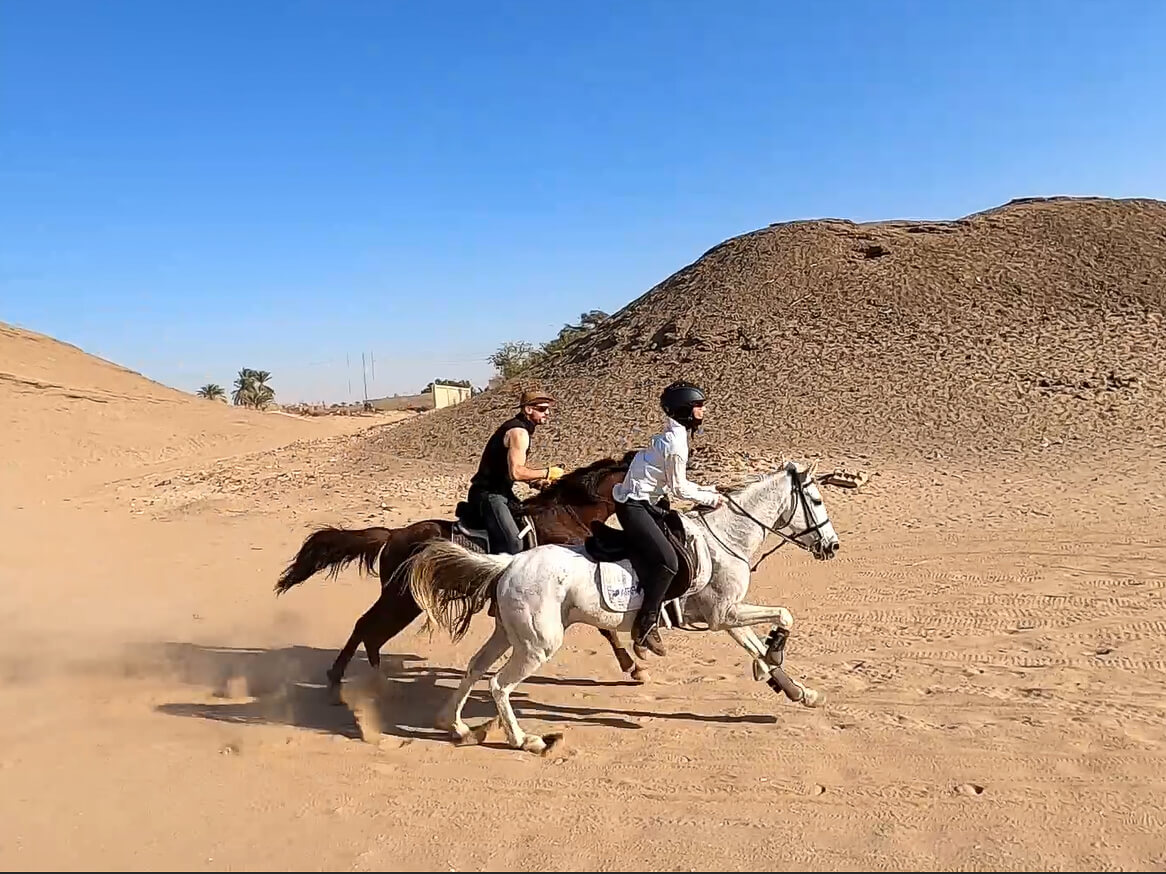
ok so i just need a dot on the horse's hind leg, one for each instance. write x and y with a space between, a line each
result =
535 639
386 618
492 650
524 661
627 664
336 672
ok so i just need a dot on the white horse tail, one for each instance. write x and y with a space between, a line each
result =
451 583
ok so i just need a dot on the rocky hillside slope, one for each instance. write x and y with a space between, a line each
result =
1036 323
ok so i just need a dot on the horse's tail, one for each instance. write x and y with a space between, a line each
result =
451 583
333 548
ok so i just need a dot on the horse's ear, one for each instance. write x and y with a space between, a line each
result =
813 467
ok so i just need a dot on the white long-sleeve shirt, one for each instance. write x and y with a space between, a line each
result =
661 468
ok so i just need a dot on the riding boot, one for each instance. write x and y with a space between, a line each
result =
644 631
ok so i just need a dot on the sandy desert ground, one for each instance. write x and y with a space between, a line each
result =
989 641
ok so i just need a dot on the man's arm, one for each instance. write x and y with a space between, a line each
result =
517 442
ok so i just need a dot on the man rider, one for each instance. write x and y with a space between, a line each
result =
503 463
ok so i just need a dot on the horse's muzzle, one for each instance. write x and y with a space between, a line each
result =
827 551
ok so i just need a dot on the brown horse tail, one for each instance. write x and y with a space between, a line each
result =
450 583
333 548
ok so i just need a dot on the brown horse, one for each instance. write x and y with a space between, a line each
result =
561 513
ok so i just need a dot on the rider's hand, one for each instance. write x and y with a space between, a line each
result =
554 473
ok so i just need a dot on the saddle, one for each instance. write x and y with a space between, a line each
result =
469 529
607 544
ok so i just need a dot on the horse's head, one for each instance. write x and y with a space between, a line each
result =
809 525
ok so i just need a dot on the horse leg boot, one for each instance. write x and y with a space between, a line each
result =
766 669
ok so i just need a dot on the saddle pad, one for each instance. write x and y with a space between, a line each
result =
619 589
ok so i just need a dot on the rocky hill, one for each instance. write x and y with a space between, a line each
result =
1036 323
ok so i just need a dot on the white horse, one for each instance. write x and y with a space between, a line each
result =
539 593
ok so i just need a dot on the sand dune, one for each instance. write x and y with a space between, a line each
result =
72 420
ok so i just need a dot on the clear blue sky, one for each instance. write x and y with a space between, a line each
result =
188 188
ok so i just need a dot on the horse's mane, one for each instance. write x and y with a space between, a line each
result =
580 486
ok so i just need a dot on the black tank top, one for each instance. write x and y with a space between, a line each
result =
493 473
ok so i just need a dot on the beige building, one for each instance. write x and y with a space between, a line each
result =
448 395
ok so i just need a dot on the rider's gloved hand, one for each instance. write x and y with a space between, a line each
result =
554 473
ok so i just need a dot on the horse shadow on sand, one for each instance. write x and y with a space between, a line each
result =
285 686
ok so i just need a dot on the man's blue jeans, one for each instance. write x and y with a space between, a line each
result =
495 511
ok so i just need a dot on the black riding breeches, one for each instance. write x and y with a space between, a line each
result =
653 557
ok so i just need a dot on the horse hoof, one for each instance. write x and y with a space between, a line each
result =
466 736
812 697
334 696
641 675
459 732
542 745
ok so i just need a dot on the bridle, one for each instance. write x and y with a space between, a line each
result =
800 499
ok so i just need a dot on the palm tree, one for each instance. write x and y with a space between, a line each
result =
212 391
252 389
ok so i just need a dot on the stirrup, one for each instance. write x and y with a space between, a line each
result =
671 615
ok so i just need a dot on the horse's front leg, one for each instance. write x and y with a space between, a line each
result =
743 615
767 660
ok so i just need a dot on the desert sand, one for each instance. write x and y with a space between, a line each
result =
989 642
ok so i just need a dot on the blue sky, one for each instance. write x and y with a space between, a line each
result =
188 188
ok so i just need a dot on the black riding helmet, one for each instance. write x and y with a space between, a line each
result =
678 400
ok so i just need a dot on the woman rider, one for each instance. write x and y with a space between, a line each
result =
659 471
